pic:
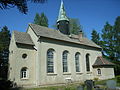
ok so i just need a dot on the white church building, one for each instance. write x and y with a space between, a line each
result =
44 56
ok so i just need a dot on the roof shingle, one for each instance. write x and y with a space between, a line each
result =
23 38
56 34
100 61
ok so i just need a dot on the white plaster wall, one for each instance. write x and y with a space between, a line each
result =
17 62
106 73
58 76
36 62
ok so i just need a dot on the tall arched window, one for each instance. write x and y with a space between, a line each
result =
87 62
64 61
24 73
50 63
77 64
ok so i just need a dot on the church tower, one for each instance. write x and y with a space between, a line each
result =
63 21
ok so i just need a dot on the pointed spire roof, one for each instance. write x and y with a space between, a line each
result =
62 13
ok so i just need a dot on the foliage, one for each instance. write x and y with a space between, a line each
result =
96 79
95 37
41 20
108 41
4 51
116 67
20 4
75 26
6 84
118 79
111 43
116 33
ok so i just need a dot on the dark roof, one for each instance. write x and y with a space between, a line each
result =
56 34
100 61
23 38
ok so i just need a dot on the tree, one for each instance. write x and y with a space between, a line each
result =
108 41
4 51
116 33
20 4
41 20
95 37
75 26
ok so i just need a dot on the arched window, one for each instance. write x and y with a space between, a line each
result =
87 62
99 71
77 64
24 73
64 61
50 63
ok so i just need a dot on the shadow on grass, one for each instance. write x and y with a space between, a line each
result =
17 88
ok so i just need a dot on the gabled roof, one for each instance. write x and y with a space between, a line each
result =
56 34
23 38
100 61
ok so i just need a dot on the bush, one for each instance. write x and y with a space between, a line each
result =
118 79
5 84
96 79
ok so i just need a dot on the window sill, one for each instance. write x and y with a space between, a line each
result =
51 74
99 75
66 73
89 72
24 78
79 73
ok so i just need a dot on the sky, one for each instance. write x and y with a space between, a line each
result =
92 14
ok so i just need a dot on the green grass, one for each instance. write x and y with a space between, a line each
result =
103 82
73 86
64 87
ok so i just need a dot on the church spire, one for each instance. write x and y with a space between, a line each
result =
63 21
62 13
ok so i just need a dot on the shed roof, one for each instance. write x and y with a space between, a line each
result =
100 61
23 38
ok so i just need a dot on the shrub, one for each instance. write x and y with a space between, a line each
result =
96 79
118 79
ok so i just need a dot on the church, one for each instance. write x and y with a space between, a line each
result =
43 56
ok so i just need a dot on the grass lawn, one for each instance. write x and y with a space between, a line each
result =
63 87
72 86
103 82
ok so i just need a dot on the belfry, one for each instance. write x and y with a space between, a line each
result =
63 21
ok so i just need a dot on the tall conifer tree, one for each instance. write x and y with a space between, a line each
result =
108 41
41 20
117 38
4 51
95 37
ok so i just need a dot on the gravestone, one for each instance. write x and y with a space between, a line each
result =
89 84
111 84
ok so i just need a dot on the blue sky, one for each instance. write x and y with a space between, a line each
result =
92 14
